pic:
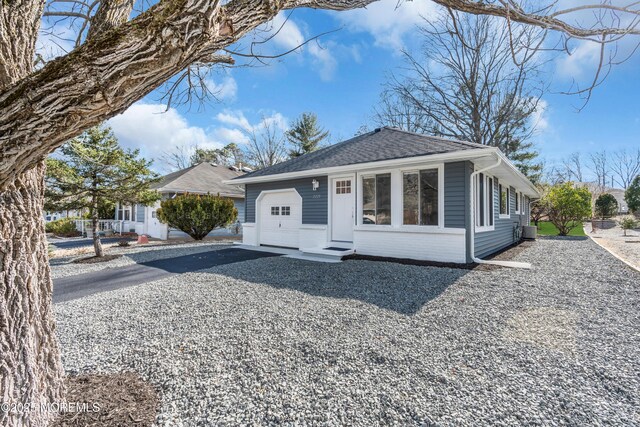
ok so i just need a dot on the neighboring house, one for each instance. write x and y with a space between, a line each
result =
390 193
53 216
202 178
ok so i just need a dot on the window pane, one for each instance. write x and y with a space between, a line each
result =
429 197
504 195
481 202
369 200
410 195
383 199
490 201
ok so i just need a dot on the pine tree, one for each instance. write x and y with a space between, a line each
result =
94 170
305 135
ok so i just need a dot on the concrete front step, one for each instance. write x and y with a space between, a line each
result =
327 253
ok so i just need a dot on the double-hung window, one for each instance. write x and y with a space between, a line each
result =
518 203
420 197
484 209
376 199
504 202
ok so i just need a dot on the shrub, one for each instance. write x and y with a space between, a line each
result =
62 227
123 243
606 206
628 223
568 206
632 196
197 214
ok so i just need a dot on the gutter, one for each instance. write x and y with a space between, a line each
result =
512 264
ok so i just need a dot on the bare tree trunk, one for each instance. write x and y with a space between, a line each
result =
30 367
97 245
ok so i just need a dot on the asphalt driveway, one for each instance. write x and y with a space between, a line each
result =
83 242
82 285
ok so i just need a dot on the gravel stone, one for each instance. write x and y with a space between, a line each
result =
279 341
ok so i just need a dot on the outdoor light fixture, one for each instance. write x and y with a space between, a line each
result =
316 184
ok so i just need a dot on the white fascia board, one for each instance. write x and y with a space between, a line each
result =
456 155
532 190
182 190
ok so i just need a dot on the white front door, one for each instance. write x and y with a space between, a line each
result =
342 209
153 225
280 218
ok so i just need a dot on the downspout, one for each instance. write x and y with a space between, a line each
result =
472 249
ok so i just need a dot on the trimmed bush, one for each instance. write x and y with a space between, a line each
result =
197 214
64 227
606 206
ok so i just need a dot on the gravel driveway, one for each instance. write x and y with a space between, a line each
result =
284 341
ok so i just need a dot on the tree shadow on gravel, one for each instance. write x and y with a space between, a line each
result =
404 289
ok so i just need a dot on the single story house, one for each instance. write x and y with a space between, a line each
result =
202 178
390 193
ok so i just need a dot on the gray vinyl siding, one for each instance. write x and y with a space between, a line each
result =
488 242
314 203
456 194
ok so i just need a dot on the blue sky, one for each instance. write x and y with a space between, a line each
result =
340 78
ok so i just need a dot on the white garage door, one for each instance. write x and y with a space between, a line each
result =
280 219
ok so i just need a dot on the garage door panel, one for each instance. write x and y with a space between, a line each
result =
280 219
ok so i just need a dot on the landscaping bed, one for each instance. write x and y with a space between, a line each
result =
285 341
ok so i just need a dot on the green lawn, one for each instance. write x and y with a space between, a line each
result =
546 228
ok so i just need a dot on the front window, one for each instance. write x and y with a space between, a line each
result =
420 197
376 199
484 201
517 202
504 200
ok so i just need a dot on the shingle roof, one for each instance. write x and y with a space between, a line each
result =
202 178
382 144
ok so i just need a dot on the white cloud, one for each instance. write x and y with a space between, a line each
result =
234 118
236 125
583 59
154 131
539 118
287 33
225 90
388 21
324 60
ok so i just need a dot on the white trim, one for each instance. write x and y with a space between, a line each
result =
440 168
313 227
500 214
489 201
419 229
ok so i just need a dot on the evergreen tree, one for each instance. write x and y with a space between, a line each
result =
305 135
93 171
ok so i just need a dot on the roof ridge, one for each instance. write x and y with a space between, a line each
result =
442 138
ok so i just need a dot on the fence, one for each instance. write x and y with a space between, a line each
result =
105 226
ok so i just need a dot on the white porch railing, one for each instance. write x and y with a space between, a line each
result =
106 226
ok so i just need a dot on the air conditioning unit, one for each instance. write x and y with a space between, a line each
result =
529 232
